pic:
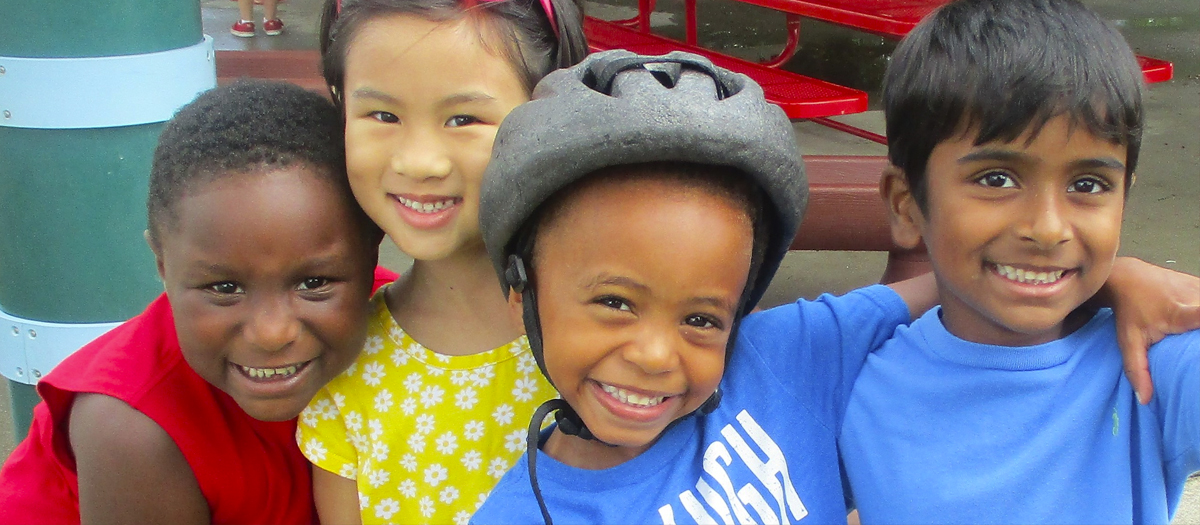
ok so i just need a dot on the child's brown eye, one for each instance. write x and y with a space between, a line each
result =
313 283
385 117
615 303
997 179
461 120
224 288
702 321
1088 185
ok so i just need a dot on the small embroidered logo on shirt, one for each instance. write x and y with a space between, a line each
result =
1116 421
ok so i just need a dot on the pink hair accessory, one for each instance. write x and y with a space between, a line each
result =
546 6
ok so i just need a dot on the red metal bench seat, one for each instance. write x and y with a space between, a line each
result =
798 95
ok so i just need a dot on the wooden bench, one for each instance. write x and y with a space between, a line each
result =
846 213
300 67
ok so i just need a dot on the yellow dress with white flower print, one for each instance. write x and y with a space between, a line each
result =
426 436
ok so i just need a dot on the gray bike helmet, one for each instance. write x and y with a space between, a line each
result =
618 108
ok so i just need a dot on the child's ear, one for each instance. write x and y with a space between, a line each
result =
516 309
158 260
904 214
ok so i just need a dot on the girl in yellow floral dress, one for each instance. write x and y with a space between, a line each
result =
434 411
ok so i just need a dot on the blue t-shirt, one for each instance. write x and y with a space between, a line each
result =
767 454
942 430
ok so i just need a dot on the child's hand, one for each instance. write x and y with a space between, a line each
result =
1149 302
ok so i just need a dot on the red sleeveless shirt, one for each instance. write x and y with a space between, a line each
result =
249 471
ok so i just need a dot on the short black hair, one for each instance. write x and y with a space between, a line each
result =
247 127
1002 67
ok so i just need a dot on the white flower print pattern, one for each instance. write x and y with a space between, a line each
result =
447 443
448 495
408 488
432 395
408 462
373 345
424 435
503 414
387 508
525 389
408 406
481 377
466 399
526 364
416 443
383 401
353 421
412 383
435 474
314 450
373 374
308 417
462 517
425 423
378 477
471 460
497 467
473 430
399 357
515 441
379 451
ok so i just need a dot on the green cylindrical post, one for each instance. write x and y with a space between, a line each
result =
73 181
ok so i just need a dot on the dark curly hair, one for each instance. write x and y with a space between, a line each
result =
245 128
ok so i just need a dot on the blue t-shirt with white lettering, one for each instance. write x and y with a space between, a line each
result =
767 454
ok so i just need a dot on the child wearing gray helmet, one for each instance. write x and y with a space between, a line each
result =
635 211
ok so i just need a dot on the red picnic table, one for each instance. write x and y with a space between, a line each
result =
799 96
889 18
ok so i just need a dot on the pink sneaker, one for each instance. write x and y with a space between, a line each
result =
243 28
273 26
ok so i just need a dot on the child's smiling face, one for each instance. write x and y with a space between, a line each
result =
1021 233
423 101
638 281
269 276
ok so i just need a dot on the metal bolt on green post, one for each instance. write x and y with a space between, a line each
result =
85 88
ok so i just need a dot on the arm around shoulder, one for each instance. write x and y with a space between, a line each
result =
130 470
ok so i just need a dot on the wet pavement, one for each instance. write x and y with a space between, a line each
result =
1162 221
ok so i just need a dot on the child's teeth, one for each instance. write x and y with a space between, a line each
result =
263 373
631 398
1025 276
426 207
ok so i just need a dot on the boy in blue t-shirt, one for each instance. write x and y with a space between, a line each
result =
1014 129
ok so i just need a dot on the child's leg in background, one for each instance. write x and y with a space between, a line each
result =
244 27
272 25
